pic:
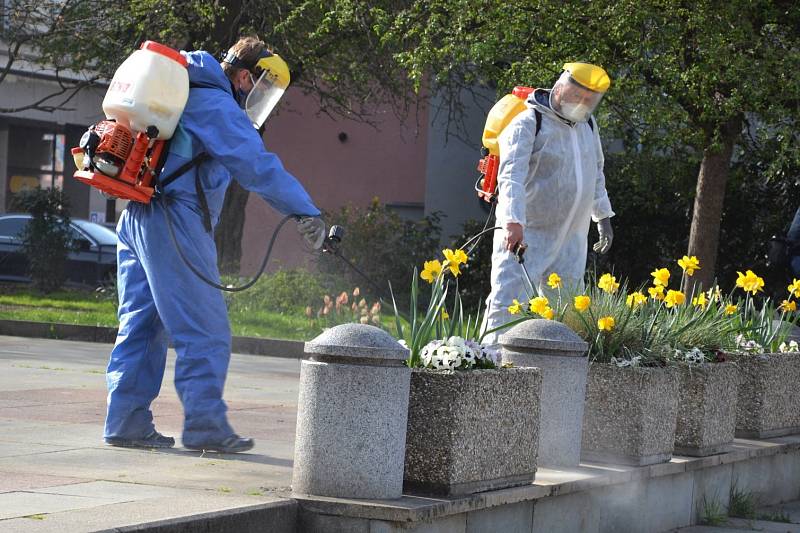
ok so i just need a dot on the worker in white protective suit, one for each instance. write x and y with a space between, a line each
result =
550 185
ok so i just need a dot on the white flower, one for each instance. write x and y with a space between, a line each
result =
458 342
429 351
748 346
625 363
791 347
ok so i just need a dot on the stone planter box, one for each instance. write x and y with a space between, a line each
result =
629 417
706 408
471 431
769 395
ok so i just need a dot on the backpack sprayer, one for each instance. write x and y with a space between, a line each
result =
498 118
122 156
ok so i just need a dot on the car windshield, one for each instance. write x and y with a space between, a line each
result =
99 233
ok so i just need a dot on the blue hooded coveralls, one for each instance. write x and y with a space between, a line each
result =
159 297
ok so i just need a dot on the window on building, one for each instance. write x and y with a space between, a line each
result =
35 158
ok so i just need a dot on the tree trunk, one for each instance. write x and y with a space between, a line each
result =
707 212
229 230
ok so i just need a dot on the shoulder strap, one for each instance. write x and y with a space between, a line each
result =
538 115
198 187
184 168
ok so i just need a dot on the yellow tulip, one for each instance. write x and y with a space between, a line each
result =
750 282
554 281
660 277
582 303
606 323
689 264
608 283
674 298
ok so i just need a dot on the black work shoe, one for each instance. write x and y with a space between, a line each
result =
233 444
153 440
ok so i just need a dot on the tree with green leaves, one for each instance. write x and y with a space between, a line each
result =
702 82
78 43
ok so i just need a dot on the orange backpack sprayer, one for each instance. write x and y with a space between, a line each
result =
121 155
499 116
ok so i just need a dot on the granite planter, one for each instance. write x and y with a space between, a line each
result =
769 395
706 408
629 417
471 431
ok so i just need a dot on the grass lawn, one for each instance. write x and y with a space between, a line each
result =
20 302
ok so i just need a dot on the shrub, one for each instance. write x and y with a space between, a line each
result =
381 244
46 239
282 291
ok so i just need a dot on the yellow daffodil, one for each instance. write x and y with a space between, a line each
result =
674 298
554 281
660 277
582 303
538 305
635 299
431 271
788 305
515 307
445 314
714 294
548 314
657 292
794 288
608 283
606 323
689 264
750 282
455 269
730 309
700 300
458 256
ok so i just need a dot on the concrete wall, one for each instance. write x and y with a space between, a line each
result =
387 162
590 499
451 162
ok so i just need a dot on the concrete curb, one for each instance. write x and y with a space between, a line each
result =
72 332
277 517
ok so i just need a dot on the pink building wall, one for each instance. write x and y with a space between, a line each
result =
388 162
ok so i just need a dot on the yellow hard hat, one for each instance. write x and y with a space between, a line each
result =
590 76
276 69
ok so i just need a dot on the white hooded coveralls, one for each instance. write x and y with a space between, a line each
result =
552 183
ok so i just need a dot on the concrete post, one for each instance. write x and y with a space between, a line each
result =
352 415
561 355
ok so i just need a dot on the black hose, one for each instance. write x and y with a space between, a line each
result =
164 205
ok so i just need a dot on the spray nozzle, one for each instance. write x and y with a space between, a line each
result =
519 252
333 240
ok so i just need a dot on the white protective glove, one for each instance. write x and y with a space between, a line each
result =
606 236
313 231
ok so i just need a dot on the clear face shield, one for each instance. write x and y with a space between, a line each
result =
572 100
262 99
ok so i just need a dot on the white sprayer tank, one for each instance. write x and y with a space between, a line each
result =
150 88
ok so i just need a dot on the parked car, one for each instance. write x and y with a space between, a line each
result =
92 261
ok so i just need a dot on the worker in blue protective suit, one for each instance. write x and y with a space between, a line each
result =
550 186
159 297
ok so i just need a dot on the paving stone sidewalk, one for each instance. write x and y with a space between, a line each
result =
57 475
